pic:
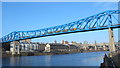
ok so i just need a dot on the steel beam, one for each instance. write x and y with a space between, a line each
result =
99 21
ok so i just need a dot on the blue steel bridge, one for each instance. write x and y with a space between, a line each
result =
104 20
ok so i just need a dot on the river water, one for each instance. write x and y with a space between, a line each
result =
78 59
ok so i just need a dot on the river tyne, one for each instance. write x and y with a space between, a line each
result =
77 59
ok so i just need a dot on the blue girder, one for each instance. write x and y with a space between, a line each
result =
99 21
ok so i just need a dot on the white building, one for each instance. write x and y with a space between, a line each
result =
47 48
24 47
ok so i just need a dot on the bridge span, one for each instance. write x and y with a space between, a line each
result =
104 20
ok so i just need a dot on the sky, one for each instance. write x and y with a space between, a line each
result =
24 16
60 0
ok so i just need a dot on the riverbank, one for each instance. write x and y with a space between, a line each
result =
44 53
111 61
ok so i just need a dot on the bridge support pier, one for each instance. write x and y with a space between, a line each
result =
31 47
104 47
13 47
22 47
95 45
111 40
18 49
85 48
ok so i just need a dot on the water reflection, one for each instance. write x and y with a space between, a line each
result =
78 59
0 62
47 60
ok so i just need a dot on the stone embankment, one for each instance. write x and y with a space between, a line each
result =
111 60
44 53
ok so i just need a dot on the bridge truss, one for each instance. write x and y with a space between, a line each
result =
104 20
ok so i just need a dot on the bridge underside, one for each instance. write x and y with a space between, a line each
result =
6 46
86 30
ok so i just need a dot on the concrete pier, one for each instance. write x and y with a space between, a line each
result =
30 47
13 47
104 47
18 49
95 45
111 40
